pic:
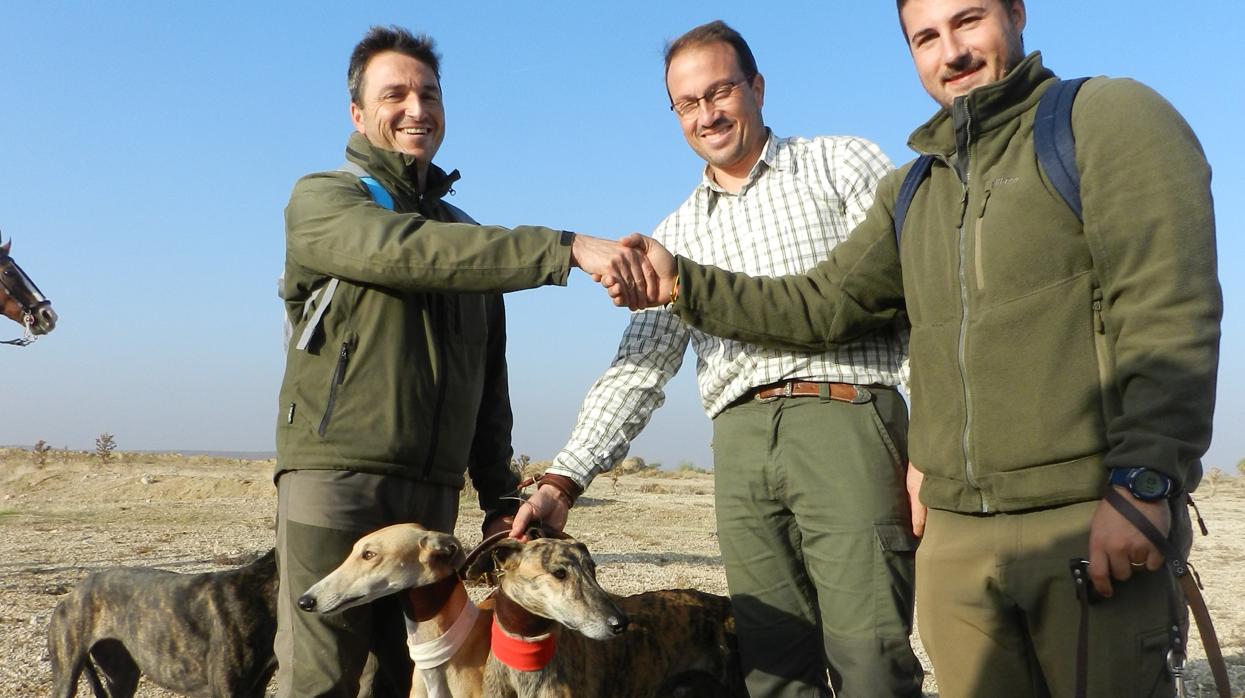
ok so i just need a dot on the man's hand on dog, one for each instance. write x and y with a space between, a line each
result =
547 507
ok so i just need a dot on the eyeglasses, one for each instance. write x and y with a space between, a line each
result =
716 95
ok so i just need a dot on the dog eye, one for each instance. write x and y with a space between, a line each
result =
368 554
559 573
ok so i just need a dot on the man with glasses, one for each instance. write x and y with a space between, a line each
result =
809 448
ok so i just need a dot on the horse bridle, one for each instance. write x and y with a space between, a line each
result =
28 311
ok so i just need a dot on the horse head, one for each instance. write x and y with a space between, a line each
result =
20 299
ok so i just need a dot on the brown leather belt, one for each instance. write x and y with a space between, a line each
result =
841 392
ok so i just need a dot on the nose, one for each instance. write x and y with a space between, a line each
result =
618 623
45 320
954 51
307 602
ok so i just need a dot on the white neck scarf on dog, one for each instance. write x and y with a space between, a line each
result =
429 656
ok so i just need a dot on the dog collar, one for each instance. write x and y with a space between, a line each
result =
434 653
520 653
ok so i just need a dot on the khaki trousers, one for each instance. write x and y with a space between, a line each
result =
998 611
320 514
814 529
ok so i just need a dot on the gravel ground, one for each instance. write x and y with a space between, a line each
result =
73 515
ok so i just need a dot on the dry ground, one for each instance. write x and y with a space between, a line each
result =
72 515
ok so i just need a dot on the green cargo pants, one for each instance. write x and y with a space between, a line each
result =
999 614
320 514
813 524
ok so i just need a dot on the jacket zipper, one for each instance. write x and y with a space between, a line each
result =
977 244
961 103
442 383
339 375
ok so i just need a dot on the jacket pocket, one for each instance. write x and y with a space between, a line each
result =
1105 358
978 255
339 377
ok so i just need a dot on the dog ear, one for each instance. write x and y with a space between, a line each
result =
491 561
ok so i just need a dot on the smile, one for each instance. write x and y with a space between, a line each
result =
416 131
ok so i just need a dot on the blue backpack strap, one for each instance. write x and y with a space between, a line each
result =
907 190
1054 142
379 193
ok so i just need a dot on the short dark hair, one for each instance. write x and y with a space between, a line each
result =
421 47
900 3
715 32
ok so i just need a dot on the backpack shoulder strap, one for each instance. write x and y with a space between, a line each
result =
1054 142
379 193
907 190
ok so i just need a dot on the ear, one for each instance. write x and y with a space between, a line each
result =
488 563
758 87
4 247
1018 15
356 117
443 545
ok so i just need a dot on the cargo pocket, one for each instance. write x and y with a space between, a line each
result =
894 582
1151 675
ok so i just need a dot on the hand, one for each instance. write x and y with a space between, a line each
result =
1115 544
913 481
664 269
548 507
612 264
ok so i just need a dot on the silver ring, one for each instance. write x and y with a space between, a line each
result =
1136 564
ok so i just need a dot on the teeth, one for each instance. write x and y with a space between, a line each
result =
415 131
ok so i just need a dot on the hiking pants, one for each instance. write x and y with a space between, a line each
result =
813 523
999 614
320 514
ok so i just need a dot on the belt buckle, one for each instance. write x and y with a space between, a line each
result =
786 389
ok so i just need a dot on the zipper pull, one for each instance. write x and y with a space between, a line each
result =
984 201
963 208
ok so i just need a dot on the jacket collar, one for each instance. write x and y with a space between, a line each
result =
398 172
988 107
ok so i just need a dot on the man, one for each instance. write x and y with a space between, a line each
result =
809 448
1051 359
395 385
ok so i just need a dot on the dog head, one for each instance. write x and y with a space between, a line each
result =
556 579
385 562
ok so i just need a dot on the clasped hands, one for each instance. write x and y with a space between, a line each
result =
637 271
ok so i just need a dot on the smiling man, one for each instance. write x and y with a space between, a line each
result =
1064 357
809 447
395 384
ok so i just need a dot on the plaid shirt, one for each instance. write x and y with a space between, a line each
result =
800 199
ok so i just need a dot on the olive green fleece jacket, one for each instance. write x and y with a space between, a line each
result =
407 373
1043 351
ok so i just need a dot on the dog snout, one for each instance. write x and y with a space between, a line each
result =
307 602
618 623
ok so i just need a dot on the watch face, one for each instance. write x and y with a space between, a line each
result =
1148 483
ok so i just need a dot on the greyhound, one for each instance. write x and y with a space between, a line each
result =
449 635
203 635
678 642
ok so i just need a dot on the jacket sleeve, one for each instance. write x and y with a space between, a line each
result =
488 464
333 227
1149 219
857 290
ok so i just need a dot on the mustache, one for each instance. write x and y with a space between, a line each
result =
720 121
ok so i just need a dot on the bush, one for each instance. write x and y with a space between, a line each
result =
105 444
41 452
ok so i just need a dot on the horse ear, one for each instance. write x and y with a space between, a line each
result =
4 246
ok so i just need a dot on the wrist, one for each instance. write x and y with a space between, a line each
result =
566 487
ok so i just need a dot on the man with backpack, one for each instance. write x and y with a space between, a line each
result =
1063 357
395 383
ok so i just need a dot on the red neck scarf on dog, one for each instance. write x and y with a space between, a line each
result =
521 654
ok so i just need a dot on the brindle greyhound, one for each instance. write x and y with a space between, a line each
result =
679 642
682 644
449 637
21 300
205 635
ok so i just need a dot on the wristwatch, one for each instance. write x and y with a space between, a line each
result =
1143 483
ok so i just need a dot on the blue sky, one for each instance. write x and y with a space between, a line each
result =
149 148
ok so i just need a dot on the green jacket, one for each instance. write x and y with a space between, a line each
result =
407 373
1043 351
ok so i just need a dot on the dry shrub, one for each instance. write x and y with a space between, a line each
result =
653 488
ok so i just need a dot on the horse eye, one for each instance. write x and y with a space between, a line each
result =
559 573
368 554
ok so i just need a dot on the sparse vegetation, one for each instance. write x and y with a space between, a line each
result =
105 444
1240 466
40 452
1212 479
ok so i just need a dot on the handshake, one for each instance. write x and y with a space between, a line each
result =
636 271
